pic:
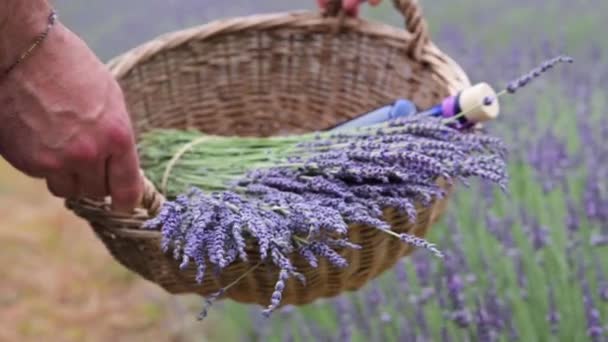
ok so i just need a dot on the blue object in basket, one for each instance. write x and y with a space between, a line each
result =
397 109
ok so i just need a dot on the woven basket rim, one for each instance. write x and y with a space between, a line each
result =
122 64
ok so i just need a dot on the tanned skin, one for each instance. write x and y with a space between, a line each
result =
62 114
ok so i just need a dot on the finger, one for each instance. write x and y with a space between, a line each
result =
63 185
124 181
322 4
92 178
374 2
351 7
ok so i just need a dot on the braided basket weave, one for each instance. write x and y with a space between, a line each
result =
264 75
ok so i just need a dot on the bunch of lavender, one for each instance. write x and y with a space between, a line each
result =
414 149
300 194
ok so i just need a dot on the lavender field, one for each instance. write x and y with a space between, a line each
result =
530 265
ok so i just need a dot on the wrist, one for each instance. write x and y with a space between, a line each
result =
21 23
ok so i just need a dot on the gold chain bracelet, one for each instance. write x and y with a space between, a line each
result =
51 22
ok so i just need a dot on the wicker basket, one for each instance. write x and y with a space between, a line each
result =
263 75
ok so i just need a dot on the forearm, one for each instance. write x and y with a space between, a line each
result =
20 22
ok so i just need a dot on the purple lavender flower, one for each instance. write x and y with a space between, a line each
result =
522 279
324 251
423 268
572 218
511 329
594 322
476 167
407 330
261 327
217 247
420 242
374 300
195 240
305 252
540 236
275 300
237 232
483 322
426 294
495 306
343 309
357 217
403 206
209 302
402 286
550 159
514 85
601 280
460 314
421 322
553 317
171 220
284 184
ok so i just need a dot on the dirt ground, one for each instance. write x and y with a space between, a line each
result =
58 283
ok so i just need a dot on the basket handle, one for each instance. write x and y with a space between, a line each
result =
415 23
151 199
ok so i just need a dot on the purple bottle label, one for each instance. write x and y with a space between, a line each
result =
448 106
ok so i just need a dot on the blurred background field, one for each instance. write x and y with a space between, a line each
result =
531 266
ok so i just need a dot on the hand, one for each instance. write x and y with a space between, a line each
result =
64 119
351 7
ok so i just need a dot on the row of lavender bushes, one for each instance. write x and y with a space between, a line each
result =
530 266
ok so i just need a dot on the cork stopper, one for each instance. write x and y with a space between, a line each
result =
472 101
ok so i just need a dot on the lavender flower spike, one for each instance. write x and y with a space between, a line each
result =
420 242
525 79
275 300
